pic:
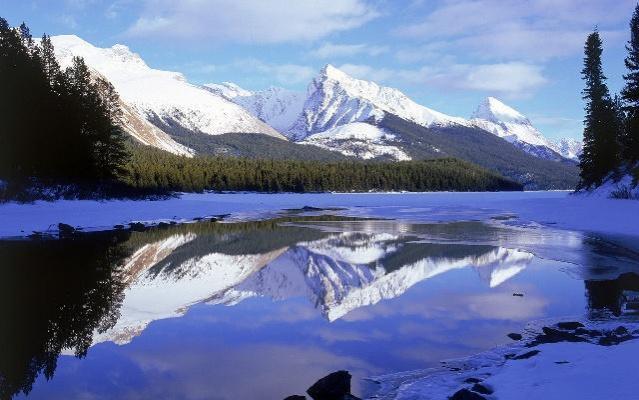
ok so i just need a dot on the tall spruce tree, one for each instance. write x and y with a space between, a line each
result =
56 126
630 93
600 153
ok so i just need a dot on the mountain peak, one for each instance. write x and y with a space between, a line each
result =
494 110
331 72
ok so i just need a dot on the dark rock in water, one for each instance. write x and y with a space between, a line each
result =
310 208
472 380
562 362
515 336
65 229
570 325
334 386
518 294
527 355
620 330
465 394
482 389
295 397
137 227
552 335
611 339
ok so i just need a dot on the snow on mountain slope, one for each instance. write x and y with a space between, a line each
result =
146 133
358 139
569 148
334 98
162 95
275 106
499 119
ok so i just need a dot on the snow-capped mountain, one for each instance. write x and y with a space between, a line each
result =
334 98
275 106
569 148
496 117
162 97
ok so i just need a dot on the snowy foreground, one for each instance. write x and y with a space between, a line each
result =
557 209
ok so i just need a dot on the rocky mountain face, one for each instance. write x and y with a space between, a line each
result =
342 113
156 95
339 114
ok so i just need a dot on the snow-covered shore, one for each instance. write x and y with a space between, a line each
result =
589 361
558 209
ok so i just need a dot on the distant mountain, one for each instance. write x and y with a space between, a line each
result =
569 148
334 98
339 116
157 95
275 106
496 117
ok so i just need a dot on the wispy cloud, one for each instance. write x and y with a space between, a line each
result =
331 50
514 79
535 30
250 21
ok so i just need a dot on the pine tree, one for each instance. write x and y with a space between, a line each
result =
50 65
601 127
630 93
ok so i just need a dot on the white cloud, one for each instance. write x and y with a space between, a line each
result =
515 79
330 50
250 21
509 30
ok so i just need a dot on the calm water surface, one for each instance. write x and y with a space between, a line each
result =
261 310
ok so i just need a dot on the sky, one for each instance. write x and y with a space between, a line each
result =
445 54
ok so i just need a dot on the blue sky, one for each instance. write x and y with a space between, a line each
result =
445 54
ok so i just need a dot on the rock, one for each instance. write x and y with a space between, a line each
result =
137 226
118 227
465 394
562 362
295 397
518 294
570 325
65 229
334 386
620 330
552 335
481 389
472 380
515 336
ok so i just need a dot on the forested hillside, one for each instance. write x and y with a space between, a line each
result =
484 149
152 169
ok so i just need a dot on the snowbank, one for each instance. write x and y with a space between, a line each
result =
579 367
623 188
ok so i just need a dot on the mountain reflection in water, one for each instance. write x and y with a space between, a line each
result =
63 296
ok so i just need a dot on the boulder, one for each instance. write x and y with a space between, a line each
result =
335 386
465 394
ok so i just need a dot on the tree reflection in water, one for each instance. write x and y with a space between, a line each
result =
52 298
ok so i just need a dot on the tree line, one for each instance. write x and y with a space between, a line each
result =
151 170
56 125
611 125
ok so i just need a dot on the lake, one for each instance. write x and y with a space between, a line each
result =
263 309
